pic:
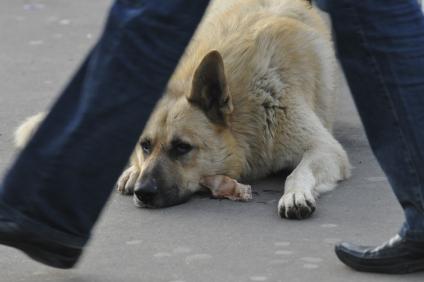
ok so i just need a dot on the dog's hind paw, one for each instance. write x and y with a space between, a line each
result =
127 180
296 205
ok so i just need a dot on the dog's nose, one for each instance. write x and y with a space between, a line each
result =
146 187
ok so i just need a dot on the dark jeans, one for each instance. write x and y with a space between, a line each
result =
381 47
62 179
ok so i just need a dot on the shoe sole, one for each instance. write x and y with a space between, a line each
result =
395 268
46 252
41 255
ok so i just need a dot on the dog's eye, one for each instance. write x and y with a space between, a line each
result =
146 146
181 148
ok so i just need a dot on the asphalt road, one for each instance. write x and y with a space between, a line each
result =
42 43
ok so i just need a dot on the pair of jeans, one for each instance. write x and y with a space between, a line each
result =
61 181
380 45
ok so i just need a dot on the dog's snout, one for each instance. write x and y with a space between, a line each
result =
146 187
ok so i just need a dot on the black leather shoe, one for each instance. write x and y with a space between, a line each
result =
396 256
43 250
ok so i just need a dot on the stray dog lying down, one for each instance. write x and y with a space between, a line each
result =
253 94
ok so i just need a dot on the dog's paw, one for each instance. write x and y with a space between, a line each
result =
245 192
127 180
223 186
296 205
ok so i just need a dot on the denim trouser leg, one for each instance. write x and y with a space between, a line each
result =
381 48
62 179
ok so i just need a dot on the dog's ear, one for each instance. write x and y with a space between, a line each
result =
209 90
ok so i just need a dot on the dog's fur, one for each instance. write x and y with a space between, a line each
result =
253 94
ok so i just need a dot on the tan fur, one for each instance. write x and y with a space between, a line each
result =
277 105
222 186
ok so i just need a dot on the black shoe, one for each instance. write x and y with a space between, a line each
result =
43 250
396 256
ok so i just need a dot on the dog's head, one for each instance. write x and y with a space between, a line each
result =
187 136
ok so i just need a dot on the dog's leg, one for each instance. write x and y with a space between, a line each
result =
320 168
223 186
126 182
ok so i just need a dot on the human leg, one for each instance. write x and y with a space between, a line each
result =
381 48
62 179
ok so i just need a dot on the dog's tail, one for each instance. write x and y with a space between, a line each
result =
26 130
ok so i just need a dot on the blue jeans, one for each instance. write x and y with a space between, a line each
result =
381 47
60 182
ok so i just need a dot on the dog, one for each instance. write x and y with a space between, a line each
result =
253 94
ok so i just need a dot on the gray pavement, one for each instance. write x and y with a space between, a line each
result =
42 43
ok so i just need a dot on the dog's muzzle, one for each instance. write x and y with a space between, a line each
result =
149 193
145 192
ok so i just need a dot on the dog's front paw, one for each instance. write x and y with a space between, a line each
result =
296 205
127 180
